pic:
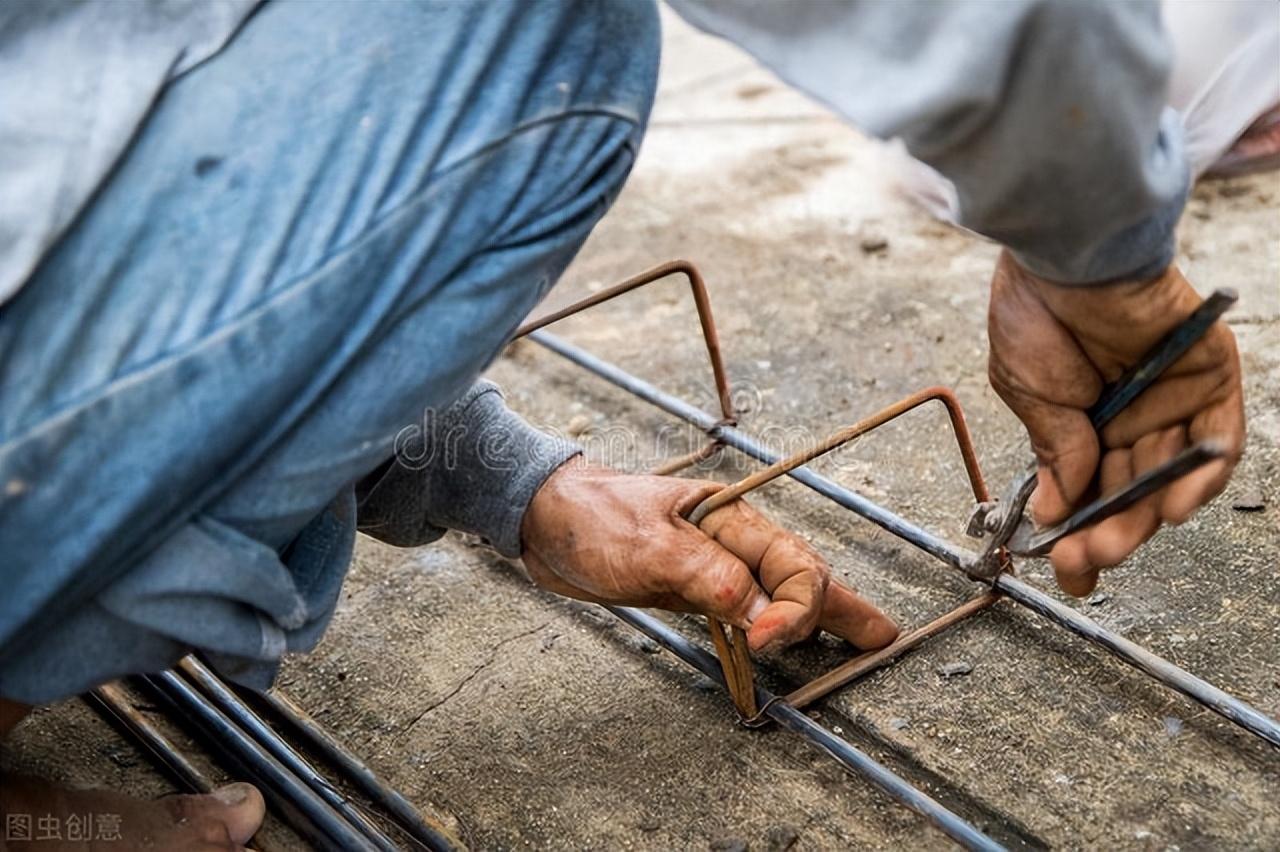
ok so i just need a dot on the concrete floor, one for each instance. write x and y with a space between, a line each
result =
534 722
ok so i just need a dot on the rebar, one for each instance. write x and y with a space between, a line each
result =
309 814
957 557
851 757
396 806
701 302
111 702
221 696
843 436
848 671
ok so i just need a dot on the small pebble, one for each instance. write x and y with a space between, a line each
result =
1172 725
649 824
705 684
578 424
122 757
956 669
874 245
1250 501
898 724
728 844
1099 599
780 838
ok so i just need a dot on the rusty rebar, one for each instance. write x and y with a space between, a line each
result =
114 704
848 671
843 436
679 463
738 669
735 656
701 301
960 558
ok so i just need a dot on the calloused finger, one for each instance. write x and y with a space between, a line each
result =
791 572
721 585
1223 423
853 618
1071 566
1112 540
1195 489
796 578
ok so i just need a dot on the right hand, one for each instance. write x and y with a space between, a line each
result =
1053 347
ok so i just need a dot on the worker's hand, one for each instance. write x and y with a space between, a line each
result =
1052 349
595 534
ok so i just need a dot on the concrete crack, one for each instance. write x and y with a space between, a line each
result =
489 660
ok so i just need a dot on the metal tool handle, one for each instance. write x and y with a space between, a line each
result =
1027 542
1115 397
1158 358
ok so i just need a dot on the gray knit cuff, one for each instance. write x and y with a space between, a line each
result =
472 467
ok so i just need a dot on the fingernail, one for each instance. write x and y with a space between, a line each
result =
759 605
232 794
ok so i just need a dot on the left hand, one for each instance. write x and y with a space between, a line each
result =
598 535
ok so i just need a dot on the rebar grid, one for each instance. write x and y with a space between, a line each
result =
732 650
735 656
737 675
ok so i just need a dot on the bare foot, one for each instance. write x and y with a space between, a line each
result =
40 817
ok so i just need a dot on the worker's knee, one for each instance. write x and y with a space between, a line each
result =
619 51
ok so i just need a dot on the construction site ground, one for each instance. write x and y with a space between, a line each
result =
533 722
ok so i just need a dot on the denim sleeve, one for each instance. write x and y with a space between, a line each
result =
1049 117
472 467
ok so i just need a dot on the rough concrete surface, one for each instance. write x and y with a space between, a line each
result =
537 722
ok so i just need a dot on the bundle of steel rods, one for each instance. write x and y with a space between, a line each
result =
315 807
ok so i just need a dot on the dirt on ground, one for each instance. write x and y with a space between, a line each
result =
532 722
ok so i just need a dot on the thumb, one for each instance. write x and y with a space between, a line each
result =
238 807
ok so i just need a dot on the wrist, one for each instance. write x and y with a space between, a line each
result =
1126 310
550 498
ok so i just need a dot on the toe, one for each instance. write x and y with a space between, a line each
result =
234 811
